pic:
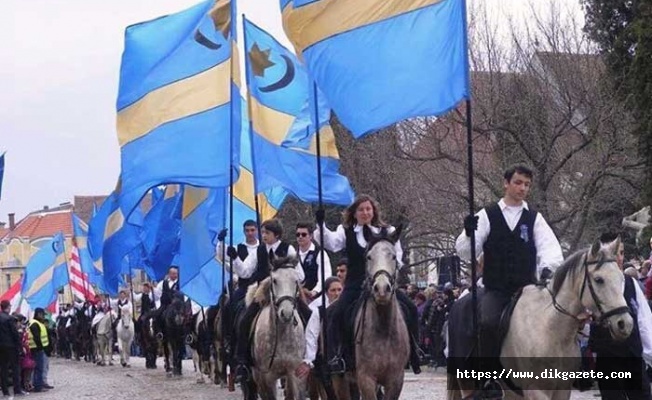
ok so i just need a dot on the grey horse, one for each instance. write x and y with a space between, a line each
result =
544 324
278 340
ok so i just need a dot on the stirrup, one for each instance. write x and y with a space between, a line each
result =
242 374
337 365
492 390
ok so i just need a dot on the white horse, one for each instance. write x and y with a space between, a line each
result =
544 324
125 332
103 338
279 342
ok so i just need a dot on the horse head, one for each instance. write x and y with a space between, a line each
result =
596 277
176 311
382 264
125 316
284 286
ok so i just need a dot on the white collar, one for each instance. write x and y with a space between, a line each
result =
504 205
274 246
252 245
311 248
172 282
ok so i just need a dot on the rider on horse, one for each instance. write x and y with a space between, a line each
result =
254 269
147 305
310 260
516 243
350 236
166 290
243 251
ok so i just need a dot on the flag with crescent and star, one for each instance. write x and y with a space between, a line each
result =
379 62
283 132
111 238
45 273
177 101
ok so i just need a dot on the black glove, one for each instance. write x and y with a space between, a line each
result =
320 217
222 235
232 252
470 224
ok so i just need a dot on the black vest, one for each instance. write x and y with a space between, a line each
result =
146 303
510 257
243 252
168 292
262 268
600 339
355 272
311 268
120 304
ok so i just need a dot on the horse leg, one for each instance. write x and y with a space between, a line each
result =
341 387
394 388
197 362
367 386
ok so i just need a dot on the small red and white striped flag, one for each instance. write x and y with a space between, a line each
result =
79 283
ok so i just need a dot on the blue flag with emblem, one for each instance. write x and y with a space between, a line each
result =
284 135
379 62
88 267
111 238
177 86
45 273
200 277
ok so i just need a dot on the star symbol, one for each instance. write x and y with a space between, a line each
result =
221 15
259 60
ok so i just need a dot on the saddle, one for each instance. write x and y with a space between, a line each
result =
506 316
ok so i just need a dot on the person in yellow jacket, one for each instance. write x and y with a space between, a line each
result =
38 342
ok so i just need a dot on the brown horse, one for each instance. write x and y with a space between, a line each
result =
379 324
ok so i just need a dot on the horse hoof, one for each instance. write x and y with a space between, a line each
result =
200 381
127 366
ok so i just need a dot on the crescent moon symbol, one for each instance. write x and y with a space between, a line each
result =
285 80
206 42
55 246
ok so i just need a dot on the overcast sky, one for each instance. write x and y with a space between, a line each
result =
59 68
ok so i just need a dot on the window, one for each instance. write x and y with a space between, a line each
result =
8 277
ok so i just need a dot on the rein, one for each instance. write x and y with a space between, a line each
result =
586 282
276 303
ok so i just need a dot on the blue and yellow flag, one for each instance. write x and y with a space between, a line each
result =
88 267
161 232
284 134
45 273
111 238
175 102
379 62
202 217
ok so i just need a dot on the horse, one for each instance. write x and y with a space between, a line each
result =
175 319
543 327
104 338
379 324
219 377
147 339
125 333
63 345
200 342
278 339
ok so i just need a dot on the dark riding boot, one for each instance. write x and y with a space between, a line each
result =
491 308
334 318
243 347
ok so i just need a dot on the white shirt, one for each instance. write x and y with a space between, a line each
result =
158 290
245 269
313 328
114 305
251 249
644 319
336 241
328 272
549 254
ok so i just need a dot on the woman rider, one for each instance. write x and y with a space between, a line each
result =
351 237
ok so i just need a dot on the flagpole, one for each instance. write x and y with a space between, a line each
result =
65 256
471 190
131 289
251 127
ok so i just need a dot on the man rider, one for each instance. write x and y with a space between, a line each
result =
516 243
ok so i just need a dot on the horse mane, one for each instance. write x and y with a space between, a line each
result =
570 266
259 294
277 263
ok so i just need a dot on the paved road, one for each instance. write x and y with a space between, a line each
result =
80 380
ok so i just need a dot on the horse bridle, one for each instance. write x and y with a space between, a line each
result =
391 277
586 282
292 299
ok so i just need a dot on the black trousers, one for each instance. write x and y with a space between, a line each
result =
636 388
492 305
9 359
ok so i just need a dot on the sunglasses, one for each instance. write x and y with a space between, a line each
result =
302 234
